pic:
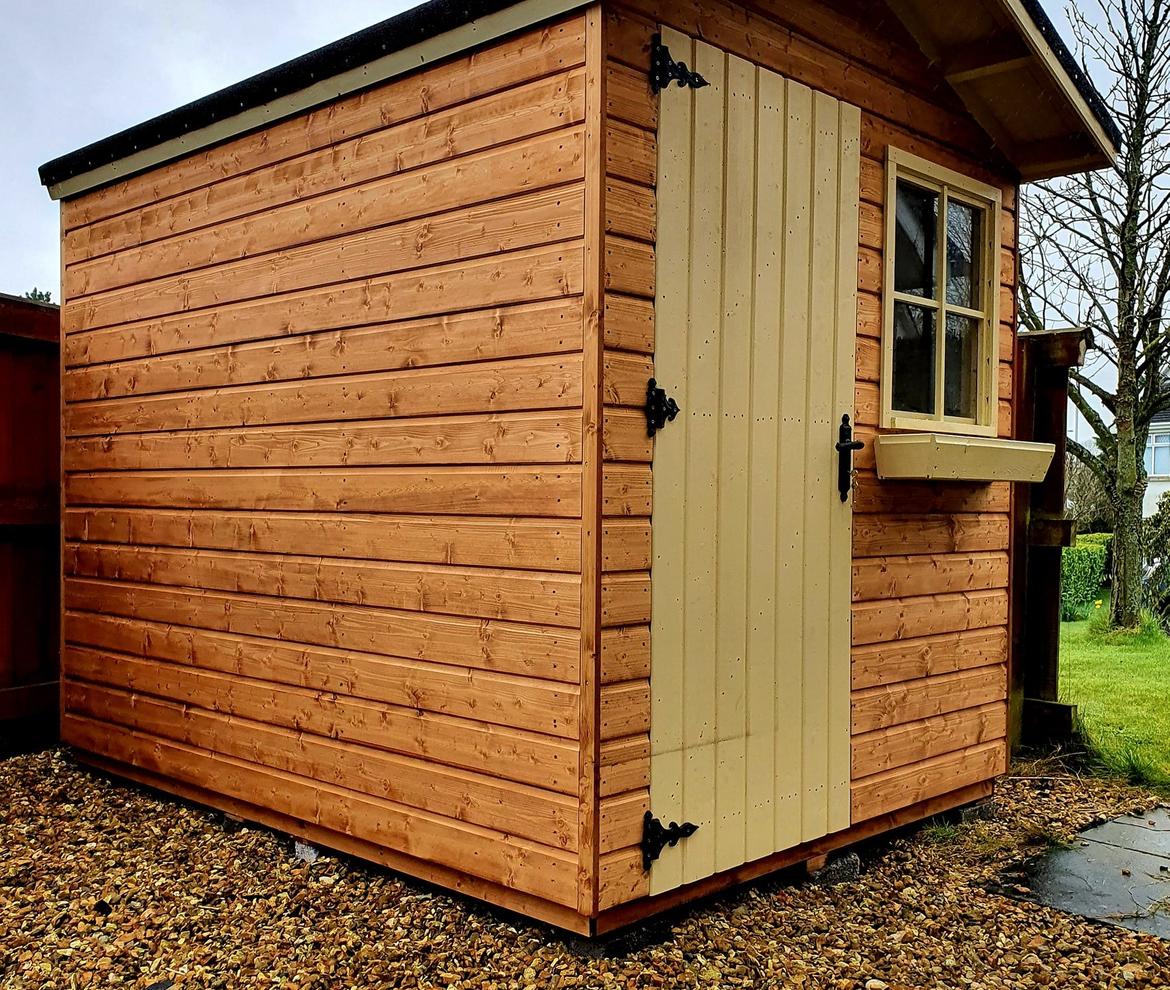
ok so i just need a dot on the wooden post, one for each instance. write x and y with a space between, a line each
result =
1041 530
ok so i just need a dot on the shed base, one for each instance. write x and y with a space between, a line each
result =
525 905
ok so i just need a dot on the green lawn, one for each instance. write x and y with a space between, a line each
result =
1123 692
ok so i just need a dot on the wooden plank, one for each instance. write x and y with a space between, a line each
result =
621 878
910 659
529 55
624 436
474 592
629 323
668 589
733 451
520 277
428 491
896 704
508 438
621 820
497 646
625 599
763 492
516 809
593 468
630 211
879 535
510 115
625 709
841 536
790 514
871 495
906 576
625 378
507 754
907 618
499 699
628 97
552 327
529 866
464 232
630 153
629 267
888 749
493 386
625 545
625 654
700 685
884 793
513 543
626 490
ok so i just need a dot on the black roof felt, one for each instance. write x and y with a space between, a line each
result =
389 36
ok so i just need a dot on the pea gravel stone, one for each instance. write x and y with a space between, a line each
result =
106 885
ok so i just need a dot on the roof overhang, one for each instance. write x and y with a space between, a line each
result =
1017 78
1003 57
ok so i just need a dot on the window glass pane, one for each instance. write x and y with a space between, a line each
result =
913 359
964 251
916 250
1149 459
961 366
1161 460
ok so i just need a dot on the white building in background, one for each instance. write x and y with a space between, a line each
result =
1104 374
1158 460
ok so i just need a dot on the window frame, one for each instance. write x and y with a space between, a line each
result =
949 184
1152 446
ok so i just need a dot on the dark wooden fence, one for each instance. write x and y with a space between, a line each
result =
29 522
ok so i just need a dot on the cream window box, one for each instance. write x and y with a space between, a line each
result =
950 457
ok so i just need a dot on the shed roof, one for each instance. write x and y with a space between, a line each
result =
1055 123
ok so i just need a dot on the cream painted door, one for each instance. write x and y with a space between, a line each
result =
756 314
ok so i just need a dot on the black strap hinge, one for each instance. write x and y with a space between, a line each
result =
656 837
664 69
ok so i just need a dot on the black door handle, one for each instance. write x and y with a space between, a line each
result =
846 445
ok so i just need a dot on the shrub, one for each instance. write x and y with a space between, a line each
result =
1101 540
1082 570
1156 540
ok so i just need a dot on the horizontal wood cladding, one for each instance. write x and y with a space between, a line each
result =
324 453
532 54
536 544
545 871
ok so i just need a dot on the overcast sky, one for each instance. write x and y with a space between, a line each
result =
74 71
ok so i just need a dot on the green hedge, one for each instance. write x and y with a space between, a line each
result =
1082 572
1101 540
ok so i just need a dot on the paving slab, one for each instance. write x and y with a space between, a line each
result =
1117 873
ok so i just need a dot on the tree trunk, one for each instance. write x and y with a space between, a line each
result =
1125 608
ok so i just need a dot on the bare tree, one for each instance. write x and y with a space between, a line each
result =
1096 253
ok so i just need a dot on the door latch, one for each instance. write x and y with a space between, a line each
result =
664 69
656 837
660 409
846 445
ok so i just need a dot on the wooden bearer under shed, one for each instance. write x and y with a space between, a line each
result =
563 451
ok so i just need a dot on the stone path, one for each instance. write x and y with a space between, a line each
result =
1118 872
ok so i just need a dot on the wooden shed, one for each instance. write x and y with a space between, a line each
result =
458 435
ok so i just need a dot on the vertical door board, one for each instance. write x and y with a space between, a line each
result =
758 194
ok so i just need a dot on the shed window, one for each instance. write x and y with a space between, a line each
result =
941 297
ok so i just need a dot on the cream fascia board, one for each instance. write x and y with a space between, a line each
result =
453 42
903 164
1027 28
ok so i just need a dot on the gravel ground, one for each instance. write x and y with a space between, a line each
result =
108 885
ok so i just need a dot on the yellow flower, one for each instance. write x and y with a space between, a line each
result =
1097 603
